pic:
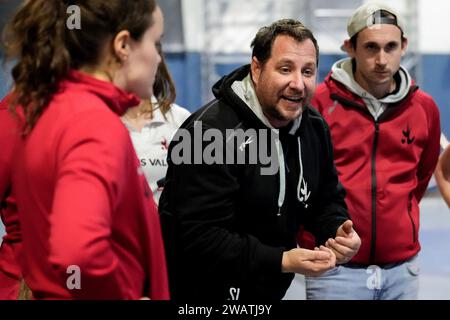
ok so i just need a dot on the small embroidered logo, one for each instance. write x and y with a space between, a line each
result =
164 144
407 134
246 142
304 194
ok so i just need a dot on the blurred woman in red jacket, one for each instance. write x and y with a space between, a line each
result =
90 228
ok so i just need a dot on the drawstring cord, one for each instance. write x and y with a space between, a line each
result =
302 188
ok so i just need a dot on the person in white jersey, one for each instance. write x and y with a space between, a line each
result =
152 125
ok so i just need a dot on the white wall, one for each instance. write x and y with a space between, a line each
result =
434 26
193 24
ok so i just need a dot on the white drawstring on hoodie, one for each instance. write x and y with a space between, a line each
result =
282 175
302 193
245 90
302 187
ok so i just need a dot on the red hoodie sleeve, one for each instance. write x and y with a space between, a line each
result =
430 153
92 157
11 243
6 142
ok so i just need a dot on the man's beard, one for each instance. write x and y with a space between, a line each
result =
274 113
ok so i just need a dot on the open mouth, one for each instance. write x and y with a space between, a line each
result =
293 99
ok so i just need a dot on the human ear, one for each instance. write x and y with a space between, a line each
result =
348 47
404 45
256 69
121 45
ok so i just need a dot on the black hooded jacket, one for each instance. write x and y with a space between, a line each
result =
226 225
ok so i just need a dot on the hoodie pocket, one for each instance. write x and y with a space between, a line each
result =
413 266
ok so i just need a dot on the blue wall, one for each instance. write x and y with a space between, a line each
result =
186 70
436 82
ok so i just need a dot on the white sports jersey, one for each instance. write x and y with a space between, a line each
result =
152 142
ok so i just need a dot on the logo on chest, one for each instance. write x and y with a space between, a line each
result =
407 138
164 144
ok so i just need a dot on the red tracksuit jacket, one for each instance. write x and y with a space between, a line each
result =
384 165
85 207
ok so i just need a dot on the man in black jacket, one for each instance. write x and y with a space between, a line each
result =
246 171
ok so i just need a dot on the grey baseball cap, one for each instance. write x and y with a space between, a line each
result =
368 15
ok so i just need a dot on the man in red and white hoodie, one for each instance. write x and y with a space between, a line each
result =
385 133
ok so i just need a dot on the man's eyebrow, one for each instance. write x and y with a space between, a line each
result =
310 64
393 42
377 44
284 61
370 42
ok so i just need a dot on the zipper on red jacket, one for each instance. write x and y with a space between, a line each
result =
410 216
374 193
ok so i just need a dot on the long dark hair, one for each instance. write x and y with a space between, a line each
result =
163 90
46 49
164 87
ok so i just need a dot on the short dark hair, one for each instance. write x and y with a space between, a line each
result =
384 16
264 39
